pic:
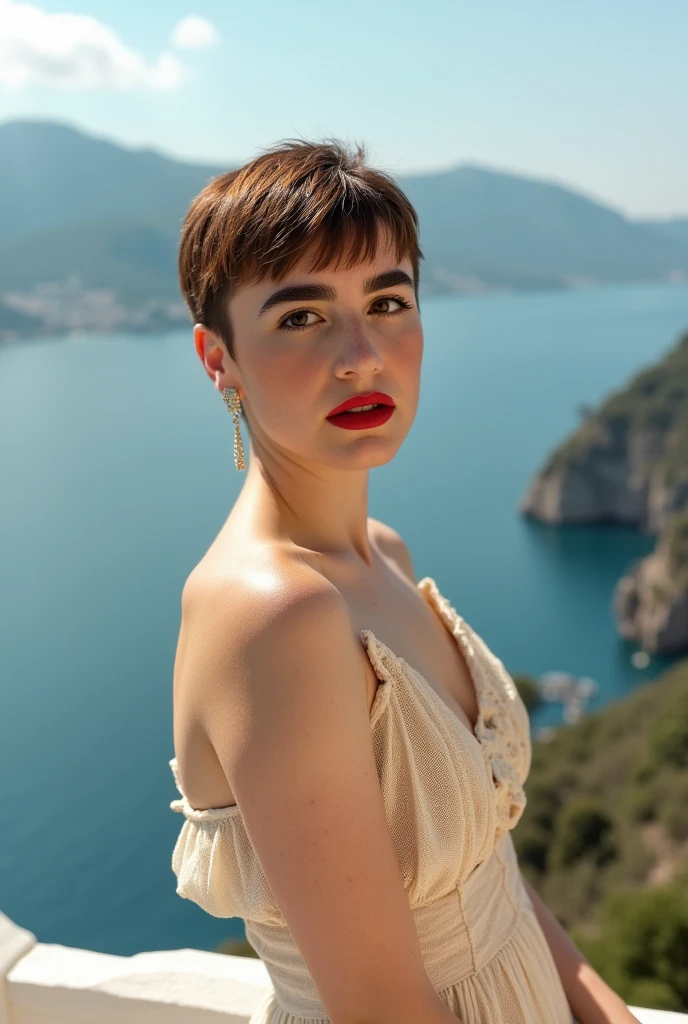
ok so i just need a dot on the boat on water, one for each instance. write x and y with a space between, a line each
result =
574 692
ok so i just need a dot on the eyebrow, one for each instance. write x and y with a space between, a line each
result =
299 293
325 293
388 280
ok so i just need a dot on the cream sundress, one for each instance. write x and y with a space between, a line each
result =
451 799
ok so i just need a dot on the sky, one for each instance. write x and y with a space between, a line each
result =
592 95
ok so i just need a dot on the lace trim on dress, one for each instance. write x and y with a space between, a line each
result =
495 728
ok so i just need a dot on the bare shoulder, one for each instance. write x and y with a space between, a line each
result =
391 543
241 626
260 593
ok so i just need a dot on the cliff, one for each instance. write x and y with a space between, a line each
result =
651 602
628 463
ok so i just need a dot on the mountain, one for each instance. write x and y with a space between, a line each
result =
515 231
676 228
52 175
79 212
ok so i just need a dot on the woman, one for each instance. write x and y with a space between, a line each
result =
349 753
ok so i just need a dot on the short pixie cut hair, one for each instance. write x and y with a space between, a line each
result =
257 222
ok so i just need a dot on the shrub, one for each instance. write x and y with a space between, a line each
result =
532 843
543 803
645 938
640 801
673 811
583 828
668 737
674 818
572 894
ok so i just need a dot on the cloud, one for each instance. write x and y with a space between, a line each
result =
74 51
192 33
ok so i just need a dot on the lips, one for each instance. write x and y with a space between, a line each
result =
373 398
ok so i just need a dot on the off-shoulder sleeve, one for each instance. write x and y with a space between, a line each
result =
216 864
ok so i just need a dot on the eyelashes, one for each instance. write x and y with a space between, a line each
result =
286 326
396 298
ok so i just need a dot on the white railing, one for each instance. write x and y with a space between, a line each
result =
57 984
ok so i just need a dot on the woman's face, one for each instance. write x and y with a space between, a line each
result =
314 339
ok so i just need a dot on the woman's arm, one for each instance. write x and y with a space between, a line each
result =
590 998
281 685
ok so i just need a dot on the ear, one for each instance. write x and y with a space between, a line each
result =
217 362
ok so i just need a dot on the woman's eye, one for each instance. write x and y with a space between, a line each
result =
299 319
390 305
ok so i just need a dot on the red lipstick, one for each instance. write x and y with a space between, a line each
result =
385 406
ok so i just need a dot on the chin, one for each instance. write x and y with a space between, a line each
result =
372 456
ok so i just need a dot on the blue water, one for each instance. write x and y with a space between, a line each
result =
117 471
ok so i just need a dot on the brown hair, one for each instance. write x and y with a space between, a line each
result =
257 222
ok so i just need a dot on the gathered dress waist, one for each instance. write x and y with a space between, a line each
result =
459 933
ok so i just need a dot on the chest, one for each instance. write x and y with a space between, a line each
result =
414 632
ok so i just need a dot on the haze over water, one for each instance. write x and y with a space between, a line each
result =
117 471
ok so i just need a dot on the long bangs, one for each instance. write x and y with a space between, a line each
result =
331 223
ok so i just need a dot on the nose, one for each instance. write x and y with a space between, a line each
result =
358 353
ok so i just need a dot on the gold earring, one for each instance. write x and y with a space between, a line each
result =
233 402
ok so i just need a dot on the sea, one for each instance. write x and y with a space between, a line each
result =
116 472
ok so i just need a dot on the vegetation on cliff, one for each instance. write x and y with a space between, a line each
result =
604 838
655 402
676 540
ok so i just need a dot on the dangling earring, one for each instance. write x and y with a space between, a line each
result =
231 397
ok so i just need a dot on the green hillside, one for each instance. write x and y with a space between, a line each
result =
604 838
134 259
655 399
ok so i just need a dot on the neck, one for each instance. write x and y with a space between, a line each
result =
318 508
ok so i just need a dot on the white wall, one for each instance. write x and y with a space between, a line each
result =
42 983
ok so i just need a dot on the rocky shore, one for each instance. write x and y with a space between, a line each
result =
651 602
628 463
